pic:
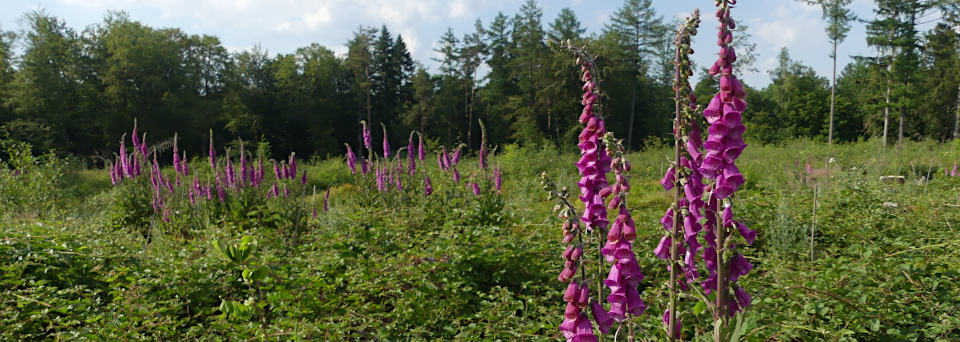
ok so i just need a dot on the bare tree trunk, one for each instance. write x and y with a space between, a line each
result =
366 74
886 114
473 94
833 93
903 112
956 121
886 106
466 110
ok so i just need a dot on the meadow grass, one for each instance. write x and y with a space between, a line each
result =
454 266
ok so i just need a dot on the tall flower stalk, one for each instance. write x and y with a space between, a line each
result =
684 179
623 277
724 144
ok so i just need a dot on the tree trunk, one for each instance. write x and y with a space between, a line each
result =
956 121
833 93
886 105
366 75
473 94
903 112
466 111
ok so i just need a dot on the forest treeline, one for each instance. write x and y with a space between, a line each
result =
76 92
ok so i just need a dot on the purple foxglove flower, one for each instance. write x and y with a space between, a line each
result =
743 298
748 235
476 189
143 145
386 143
326 201
456 156
292 167
185 164
135 165
604 321
584 331
134 138
635 304
221 194
445 164
351 159
456 175
398 183
231 176
190 196
739 266
954 173
421 149
124 163
212 154
583 297
276 170
663 249
303 179
411 159
363 167
367 137
668 179
286 192
427 188
274 190
176 155
572 293
677 327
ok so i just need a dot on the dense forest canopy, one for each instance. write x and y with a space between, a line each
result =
76 92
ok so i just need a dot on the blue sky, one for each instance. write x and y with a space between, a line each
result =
281 26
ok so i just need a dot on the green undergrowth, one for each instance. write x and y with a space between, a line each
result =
75 265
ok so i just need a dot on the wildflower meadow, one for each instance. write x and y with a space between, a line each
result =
521 227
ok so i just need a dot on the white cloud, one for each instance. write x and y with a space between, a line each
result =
789 25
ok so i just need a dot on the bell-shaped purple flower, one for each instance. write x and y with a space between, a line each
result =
427 188
351 159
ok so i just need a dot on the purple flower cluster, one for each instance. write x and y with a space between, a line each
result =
724 144
594 163
166 190
390 174
625 273
411 158
576 325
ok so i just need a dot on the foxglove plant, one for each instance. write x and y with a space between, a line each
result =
351 159
684 179
724 144
576 324
212 154
386 143
411 159
367 139
624 275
